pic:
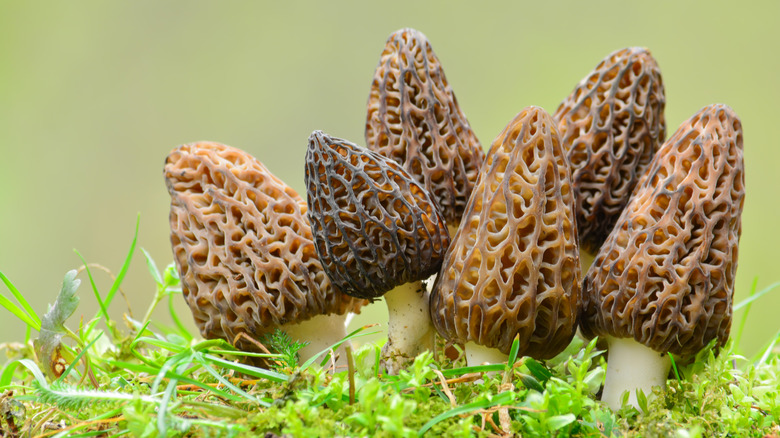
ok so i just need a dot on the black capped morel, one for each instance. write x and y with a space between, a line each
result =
377 233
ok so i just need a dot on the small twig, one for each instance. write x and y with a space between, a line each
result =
113 277
351 374
86 423
446 388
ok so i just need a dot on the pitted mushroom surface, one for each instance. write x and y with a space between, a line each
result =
414 118
513 267
664 277
243 245
377 233
611 125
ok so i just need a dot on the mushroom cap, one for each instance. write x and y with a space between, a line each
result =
374 227
611 125
414 118
665 275
513 267
242 244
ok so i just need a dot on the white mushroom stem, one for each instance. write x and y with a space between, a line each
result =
409 327
479 354
632 366
321 331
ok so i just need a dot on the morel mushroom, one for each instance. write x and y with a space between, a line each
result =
513 267
664 279
414 118
377 232
244 251
611 125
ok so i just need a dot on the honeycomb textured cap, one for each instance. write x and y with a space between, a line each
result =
414 118
374 227
242 244
513 267
611 125
665 275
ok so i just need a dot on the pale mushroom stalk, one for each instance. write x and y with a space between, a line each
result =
321 332
377 233
409 327
479 354
631 367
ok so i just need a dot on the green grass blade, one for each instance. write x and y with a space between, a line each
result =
8 374
249 370
99 300
743 320
355 334
125 265
155 273
29 317
77 359
499 399
182 330
756 296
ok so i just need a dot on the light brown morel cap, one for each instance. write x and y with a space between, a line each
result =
414 118
374 227
611 125
513 267
243 245
665 275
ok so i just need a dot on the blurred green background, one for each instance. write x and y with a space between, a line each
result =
93 96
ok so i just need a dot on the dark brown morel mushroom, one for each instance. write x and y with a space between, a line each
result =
664 279
244 251
414 118
377 233
611 125
513 266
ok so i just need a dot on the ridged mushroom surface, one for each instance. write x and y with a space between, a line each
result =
513 267
374 226
665 275
611 125
414 118
242 244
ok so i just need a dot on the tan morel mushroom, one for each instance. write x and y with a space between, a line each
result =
414 118
611 125
664 279
244 251
513 267
377 233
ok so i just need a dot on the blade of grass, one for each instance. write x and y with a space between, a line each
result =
355 334
249 370
756 296
29 317
743 320
121 275
499 399
77 359
102 305
183 330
